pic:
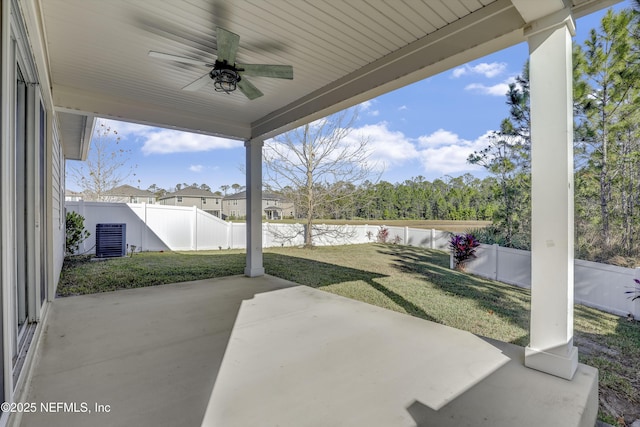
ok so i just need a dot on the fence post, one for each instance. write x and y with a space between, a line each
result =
194 230
433 241
145 231
406 235
81 212
496 264
265 227
451 263
637 301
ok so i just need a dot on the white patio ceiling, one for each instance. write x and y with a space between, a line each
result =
342 53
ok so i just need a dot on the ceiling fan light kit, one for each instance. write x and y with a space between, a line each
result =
227 76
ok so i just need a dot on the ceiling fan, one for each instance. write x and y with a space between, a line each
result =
226 74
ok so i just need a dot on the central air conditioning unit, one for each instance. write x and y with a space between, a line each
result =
111 240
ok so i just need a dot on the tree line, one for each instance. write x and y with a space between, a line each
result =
450 198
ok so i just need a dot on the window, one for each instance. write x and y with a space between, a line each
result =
179 199
204 200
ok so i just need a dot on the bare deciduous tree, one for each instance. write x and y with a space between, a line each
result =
310 165
106 166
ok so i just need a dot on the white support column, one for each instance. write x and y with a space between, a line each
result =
551 347
254 265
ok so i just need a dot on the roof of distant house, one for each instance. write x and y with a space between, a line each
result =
191 192
242 195
128 190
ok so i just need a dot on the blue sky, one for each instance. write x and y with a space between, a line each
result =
428 128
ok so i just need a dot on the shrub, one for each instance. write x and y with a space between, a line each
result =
463 247
75 232
491 235
383 235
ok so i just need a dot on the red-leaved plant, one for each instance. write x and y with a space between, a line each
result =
635 293
463 247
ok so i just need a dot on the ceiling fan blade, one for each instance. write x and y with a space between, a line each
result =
249 90
170 57
198 83
265 70
227 45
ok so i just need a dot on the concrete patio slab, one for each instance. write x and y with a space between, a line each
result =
293 356
304 357
151 354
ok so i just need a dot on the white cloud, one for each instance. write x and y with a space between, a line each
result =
388 148
441 152
439 138
459 72
165 141
367 107
446 153
489 70
402 108
364 106
196 168
499 89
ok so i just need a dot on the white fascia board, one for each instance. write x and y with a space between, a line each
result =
87 134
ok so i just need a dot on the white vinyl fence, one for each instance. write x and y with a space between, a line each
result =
160 227
596 285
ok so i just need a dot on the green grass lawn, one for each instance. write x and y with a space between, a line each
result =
401 278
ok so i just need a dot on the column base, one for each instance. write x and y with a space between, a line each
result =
552 363
254 272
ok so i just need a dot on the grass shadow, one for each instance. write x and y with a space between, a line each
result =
317 274
509 302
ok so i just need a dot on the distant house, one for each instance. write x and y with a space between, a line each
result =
193 196
128 194
72 196
274 206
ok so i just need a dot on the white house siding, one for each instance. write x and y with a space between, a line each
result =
57 203
32 226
